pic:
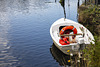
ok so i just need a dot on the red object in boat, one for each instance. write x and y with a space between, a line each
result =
64 41
68 27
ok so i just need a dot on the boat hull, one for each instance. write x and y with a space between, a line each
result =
72 48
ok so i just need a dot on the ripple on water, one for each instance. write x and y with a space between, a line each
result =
6 58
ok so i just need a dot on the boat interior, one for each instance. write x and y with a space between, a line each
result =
78 38
70 38
83 35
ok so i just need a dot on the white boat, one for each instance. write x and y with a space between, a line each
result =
75 38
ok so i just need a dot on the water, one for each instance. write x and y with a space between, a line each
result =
24 31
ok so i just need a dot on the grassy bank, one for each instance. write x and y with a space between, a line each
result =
89 16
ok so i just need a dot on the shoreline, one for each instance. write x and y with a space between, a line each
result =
89 16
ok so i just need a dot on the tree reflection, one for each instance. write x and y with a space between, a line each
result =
21 5
62 2
78 3
55 1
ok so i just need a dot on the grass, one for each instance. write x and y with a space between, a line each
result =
89 16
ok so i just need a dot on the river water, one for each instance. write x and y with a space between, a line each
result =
24 31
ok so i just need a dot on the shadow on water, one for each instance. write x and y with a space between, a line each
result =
60 57
66 60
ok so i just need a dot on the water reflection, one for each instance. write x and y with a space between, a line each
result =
19 19
68 6
55 1
23 6
11 6
60 57
66 60
6 58
62 2
78 3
